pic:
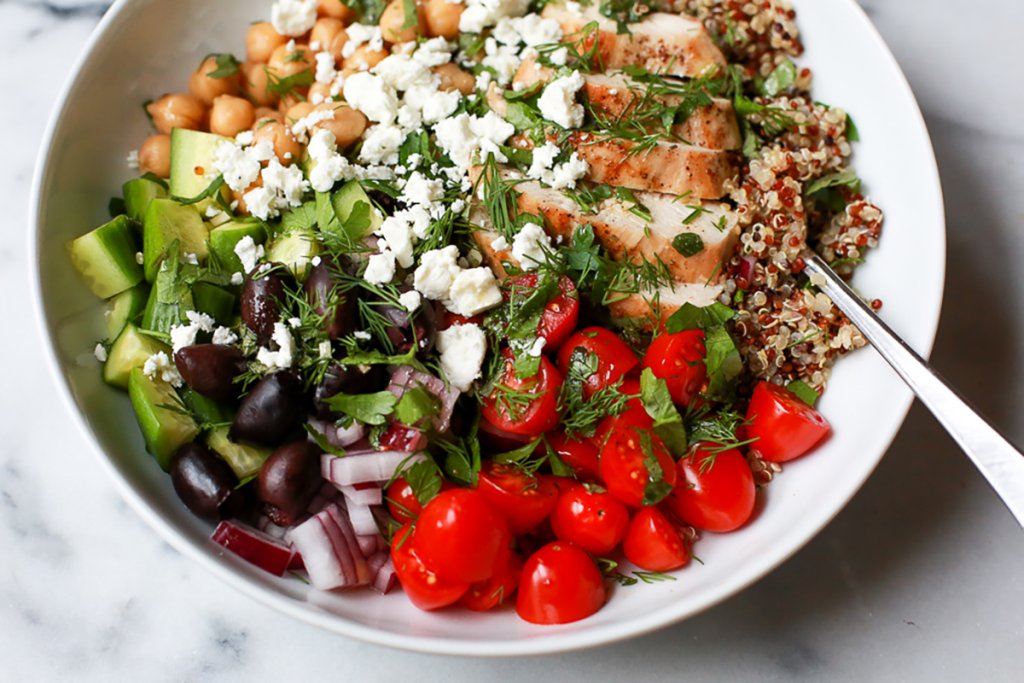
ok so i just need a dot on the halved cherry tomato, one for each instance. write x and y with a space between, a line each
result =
500 441
614 357
424 587
784 426
636 467
559 318
635 415
402 502
460 537
523 500
559 584
497 590
679 360
592 519
400 437
533 409
581 455
654 543
716 490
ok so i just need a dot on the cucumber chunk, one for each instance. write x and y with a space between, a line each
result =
295 250
126 307
343 202
192 154
128 352
224 238
205 410
167 221
105 258
164 423
166 309
245 461
138 193
214 301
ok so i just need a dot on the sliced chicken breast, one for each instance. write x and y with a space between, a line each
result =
660 304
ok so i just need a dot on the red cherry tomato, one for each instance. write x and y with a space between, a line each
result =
460 537
559 318
497 590
523 500
500 441
580 455
679 360
402 502
594 520
424 588
627 467
654 543
400 437
530 406
785 427
716 491
614 357
559 584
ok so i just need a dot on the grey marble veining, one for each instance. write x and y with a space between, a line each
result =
917 580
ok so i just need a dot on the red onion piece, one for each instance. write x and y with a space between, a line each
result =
371 544
384 577
329 550
270 529
363 521
746 269
339 437
362 494
358 469
254 546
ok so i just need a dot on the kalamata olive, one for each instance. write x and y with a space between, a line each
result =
203 481
288 480
210 369
420 326
271 411
262 295
347 379
321 290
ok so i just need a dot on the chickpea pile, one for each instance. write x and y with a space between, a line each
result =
245 99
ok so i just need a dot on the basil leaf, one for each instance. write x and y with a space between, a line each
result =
723 362
691 317
668 423
852 132
847 178
804 391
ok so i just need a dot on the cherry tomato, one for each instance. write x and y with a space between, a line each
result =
523 500
559 318
654 543
559 584
400 437
635 416
424 588
636 466
592 519
785 427
500 441
402 502
580 455
530 406
715 492
614 357
679 360
497 590
460 537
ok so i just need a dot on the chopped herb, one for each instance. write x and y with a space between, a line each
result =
804 391
656 489
424 478
322 443
416 405
852 132
847 178
691 317
688 244
781 79
723 362
371 409
668 423
410 14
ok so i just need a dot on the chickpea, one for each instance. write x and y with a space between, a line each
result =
319 92
286 147
337 45
230 115
287 62
455 78
264 114
155 155
290 99
442 18
336 9
392 21
364 59
324 31
177 111
261 41
298 111
207 88
256 82
348 125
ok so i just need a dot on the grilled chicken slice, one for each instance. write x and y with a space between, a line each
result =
665 43
615 95
663 302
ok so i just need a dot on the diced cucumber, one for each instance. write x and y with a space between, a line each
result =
216 302
163 310
164 422
206 410
345 199
138 193
128 352
295 250
224 238
126 307
167 221
105 258
192 155
245 461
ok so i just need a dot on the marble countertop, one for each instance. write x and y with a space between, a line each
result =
918 579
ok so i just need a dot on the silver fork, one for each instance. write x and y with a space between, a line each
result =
999 461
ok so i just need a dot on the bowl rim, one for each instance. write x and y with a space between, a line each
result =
557 642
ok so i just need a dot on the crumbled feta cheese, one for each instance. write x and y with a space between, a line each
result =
159 367
402 72
422 190
100 352
434 52
324 349
362 335
285 354
237 279
326 69
369 94
480 14
500 243
328 165
560 176
359 35
537 348
410 300
295 323
249 253
302 127
437 271
462 135
530 246
283 187
293 17
558 101
185 335
503 59
462 348
559 57
381 144
240 165
532 29
473 291
223 336
399 237
380 268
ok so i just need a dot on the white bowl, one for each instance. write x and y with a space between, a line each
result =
143 48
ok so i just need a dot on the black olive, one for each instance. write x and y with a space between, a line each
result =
271 411
321 287
347 379
288 480
203 481
261 300
419 327
210 369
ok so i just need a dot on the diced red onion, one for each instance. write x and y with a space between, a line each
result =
363 521
406 377
400 437
269 528
363 494
325 496
339 437
329 550
746 269
358 469
371 543
384 576
254 546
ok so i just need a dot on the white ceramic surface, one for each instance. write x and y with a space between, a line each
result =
131 57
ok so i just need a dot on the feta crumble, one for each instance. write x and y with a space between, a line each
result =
249 253
159 367
380 268
283 357
530 245
558 101
293 17
473 291
224 336
462 348
100 352
410 300
437 272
